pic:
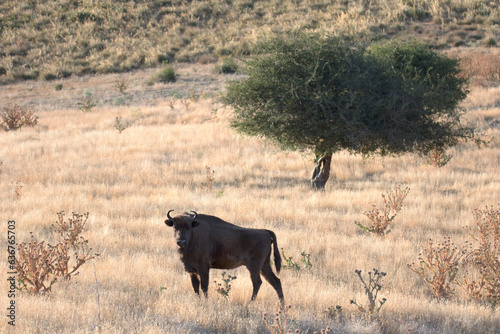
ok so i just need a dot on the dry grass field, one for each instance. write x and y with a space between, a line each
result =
78 162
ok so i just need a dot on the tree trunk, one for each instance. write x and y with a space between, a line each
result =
321 172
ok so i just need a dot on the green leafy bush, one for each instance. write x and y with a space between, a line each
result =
166 74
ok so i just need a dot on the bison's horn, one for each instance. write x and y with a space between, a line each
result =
168 214
194 216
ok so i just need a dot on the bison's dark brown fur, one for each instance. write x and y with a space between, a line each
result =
207 242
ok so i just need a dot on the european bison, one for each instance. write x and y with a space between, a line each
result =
209 242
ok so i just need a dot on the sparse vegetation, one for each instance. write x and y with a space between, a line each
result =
380 220
209 177
289 263
126 181
14 117
438 266
485 257
335 312
372 288
121 85
166 74
279 324
80 38
39 264
228 66
224 287
306 260
87 102
171 102
438 158
17 189
119 125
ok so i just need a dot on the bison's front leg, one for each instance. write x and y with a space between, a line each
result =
195 282
204 276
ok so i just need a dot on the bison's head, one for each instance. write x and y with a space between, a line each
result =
183 225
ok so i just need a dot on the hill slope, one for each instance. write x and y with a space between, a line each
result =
51 39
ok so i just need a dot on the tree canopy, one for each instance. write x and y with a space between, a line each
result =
327 94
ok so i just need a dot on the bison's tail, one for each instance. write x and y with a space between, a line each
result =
277 256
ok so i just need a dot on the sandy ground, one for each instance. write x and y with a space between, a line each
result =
193 80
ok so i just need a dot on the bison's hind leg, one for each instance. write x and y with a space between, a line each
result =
269 275
195 281
256 281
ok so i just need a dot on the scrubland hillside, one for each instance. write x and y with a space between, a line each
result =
47 40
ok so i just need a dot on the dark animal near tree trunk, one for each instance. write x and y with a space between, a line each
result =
207 242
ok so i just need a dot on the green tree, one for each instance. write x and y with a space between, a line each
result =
327 94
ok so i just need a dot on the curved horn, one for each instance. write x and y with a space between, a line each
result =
168 214
195 214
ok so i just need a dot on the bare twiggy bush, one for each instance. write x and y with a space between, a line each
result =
209 177
224 287
372 288
335 312
438 266
278 324
192 95
120 85
381 218
171 103
39 264
119 125
17 189
438 158
486 257
86 104
34 264
186 102
14 117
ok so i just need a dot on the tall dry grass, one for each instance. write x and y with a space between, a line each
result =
78 162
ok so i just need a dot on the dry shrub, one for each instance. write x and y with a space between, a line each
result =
281 322
482 68
171 103
438 266
186 102
438 158
486 257
121 85
40 264
17 189
372 288
381 218
224 287
14 117
209 177
87 103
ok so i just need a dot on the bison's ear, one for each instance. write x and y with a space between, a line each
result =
169 222
195 223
